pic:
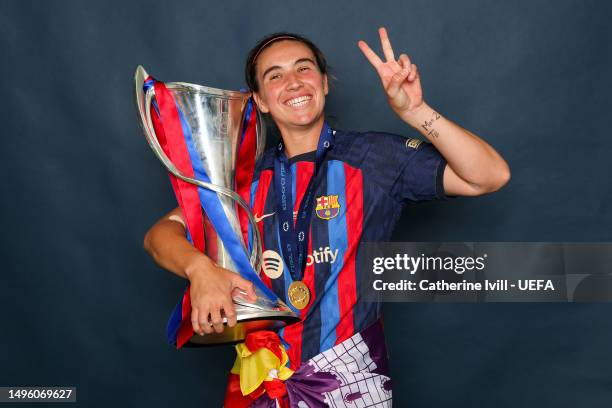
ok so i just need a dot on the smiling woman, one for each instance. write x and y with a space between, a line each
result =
288 76
324 191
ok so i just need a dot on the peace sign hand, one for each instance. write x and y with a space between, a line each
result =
400 78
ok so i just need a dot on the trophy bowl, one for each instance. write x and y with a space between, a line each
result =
212 125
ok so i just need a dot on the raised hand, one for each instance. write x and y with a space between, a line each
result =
400 78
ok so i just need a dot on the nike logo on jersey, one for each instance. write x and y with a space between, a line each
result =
258 219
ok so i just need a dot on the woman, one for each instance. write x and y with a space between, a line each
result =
337 189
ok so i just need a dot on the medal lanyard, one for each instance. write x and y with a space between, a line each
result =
294 238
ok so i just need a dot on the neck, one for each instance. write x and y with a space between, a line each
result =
301 140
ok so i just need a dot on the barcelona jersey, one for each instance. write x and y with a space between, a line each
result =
369 178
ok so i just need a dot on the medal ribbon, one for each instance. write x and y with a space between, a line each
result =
294 237
179 143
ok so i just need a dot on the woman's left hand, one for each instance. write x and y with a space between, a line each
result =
400 77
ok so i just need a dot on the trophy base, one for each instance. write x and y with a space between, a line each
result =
248 322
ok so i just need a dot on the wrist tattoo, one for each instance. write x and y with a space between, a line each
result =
428 125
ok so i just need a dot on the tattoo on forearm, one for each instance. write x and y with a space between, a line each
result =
428 125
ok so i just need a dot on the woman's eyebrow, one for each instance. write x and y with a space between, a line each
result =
299 61
304 60
272 68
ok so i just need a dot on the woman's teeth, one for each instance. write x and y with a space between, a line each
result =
300 101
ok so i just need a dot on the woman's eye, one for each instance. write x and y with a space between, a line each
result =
301 69
274 76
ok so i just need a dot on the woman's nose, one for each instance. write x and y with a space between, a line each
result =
293 82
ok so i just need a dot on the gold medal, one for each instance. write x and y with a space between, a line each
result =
299 295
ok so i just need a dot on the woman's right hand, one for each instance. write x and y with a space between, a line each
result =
211 291
212 287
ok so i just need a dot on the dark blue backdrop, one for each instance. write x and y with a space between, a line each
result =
82 304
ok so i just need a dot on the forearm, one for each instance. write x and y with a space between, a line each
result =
167 244
470 157
211 286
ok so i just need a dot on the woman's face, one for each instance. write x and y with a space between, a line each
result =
291 87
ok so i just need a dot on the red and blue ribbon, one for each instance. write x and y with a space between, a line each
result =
176 139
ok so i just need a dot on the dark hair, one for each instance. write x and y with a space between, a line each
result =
251 62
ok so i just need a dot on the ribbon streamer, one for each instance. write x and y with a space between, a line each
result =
174 134
260 378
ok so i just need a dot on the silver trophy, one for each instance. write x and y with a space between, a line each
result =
215 119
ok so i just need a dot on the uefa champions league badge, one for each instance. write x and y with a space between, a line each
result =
413 143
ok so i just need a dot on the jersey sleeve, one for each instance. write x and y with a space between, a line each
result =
421 174
409 170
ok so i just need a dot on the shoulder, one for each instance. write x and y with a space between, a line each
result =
358 147
266 160
370 137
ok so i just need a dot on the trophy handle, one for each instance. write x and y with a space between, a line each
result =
143 102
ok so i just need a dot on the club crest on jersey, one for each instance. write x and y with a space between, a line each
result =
327 207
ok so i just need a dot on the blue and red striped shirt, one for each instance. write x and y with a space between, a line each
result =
369 177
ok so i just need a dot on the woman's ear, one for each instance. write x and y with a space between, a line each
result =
260 103
325 86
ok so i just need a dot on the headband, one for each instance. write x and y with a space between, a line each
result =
270 41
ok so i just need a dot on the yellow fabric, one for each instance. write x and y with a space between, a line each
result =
254 368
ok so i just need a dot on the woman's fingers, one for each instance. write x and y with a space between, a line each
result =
246 287
396 82
386 44
216 319
195 323
369 54
404 61
204 320
386 69
413 73
199 321
230 313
